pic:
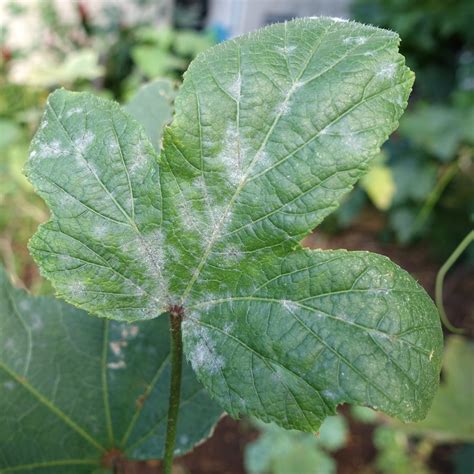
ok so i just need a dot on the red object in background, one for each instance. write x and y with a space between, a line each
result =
83 13
6 54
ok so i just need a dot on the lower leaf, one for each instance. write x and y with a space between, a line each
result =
314 330
76 391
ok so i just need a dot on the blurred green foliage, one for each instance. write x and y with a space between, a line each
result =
21 209
394 455
165 52
279 451
430 159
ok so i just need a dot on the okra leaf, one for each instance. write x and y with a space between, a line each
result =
75 389
315 329
270 131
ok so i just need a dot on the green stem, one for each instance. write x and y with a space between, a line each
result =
175 387
440 280
435 194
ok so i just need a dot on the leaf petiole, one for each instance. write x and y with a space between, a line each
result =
440 280
176 316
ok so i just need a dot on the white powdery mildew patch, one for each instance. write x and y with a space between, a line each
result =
387 71
228 327
172 253
289 305
217 214
150 251
231 155
353 142
67 260
151 245
206 303
279 375
379 292
285 106
47 150
286 50
101 231
333 395
263 161
74 111
76 289
324 131
43 124
355 40
203 355
235 87
376 280
149 248
212 211
140 160
112 145
83 143
230 255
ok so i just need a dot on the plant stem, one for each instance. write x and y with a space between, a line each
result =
176 316
448 174
440 280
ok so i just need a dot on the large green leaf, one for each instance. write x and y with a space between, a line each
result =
74 388
315 329
270 131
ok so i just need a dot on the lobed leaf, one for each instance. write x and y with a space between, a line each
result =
75 388
98 172
271 130
313 330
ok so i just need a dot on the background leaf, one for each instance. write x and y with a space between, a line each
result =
73 387
279 451
152 106
379 185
